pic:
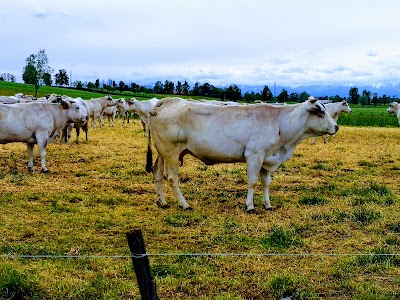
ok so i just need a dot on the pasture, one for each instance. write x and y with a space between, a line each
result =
334 228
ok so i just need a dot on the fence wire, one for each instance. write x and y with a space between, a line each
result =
141 255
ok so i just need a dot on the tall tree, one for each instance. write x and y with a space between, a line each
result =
37 65
47 79
266 94
178 88
283 96
303 96
185 88
62 78
353 95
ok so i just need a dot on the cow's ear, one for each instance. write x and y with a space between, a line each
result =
311 99
65 104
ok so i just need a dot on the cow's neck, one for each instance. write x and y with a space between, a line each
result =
292 125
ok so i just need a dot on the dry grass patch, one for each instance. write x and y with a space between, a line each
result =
341 197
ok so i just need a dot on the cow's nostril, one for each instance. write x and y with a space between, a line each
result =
336 128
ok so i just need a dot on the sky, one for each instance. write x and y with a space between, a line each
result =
222 42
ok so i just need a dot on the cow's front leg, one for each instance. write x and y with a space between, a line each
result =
254 164
30 156
266 181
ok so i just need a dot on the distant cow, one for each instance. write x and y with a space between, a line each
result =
334 110
394 108
37 123
96 106
111 111
264 136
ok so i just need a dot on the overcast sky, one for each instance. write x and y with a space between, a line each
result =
222 42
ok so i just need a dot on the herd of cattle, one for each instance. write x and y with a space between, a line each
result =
261 135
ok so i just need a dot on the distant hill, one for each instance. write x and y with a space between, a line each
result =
327 90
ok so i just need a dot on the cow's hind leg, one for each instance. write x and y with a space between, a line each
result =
266 181
158 173
30 156
171 173
254 164
42 144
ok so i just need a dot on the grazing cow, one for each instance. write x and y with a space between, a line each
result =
334 110
37 123
96 106
142 109
394 108
264 136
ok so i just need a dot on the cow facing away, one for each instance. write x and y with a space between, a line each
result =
394 108
264 136
334 110
37 123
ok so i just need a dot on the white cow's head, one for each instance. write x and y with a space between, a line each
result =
345 107
109 100
75 112
319 122
393 108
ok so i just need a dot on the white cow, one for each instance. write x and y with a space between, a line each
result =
142 109
96 106
111 111
334 110
394 108
37 123
264 136
66 132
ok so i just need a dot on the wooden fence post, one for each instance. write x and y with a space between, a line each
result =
141 265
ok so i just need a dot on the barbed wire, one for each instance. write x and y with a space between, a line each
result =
142 255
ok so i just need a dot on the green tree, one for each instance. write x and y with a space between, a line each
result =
179 88
47 79
294 97
303 96
37 65
159 88
266 95
283 97
353 95
368 95
185 88
62 78
233 93
363 100
97 84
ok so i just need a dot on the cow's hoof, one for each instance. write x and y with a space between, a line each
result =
45 171
189 208
251 211
163 205
269 209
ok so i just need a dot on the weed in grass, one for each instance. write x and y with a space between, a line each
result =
184 219
364 163
15 285
364 215
379 257
394 227
372 291
313 200
289 286
281 238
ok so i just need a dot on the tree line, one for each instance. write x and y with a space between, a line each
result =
38 72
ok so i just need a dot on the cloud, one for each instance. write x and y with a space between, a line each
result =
40 13
371 53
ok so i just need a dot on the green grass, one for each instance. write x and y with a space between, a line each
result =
375 116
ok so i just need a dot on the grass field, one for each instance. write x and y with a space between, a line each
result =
334 229
371 116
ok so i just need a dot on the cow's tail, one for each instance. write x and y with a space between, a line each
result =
149 155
